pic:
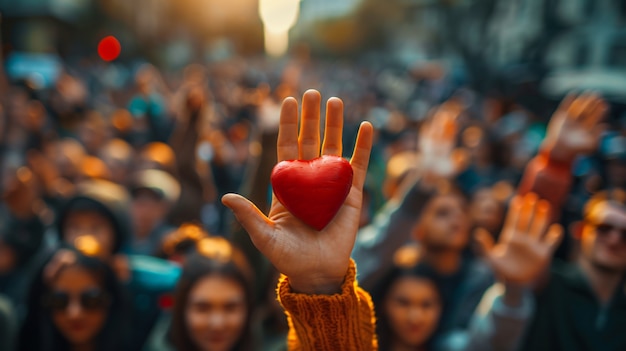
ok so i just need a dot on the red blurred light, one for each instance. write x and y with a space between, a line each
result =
166 301
109 48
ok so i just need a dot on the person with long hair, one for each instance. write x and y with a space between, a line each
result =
75 303
214 300
408 305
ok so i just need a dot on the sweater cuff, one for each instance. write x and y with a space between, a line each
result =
342 321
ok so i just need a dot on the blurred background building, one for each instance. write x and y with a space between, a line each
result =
522 47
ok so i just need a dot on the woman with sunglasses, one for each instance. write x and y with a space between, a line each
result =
75 303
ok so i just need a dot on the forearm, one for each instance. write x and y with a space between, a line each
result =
343 321
501 319
549 178
391 228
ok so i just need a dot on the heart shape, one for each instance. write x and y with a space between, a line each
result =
313 190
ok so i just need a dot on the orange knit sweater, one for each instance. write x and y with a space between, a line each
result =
330 322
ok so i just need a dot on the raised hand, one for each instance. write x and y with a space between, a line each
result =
524 249
575 128
316 262
437 140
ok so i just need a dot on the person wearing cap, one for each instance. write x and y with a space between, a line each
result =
153 192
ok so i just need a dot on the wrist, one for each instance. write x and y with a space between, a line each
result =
513 294
320 286
557 155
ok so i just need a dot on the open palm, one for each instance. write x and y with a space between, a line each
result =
575 128
524 249
315 261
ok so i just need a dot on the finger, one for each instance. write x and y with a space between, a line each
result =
540 219
251 218
553 237
511 218
334 128
526 213
460 159
567 101
484 240
596 112
287 143
361 155
309 139
579 106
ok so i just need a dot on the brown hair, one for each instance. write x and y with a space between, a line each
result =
222 259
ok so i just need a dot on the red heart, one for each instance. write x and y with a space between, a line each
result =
313 190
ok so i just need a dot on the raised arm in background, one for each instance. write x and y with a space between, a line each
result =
574 129
392 226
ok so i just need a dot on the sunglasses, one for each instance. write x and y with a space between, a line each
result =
94 299
605 229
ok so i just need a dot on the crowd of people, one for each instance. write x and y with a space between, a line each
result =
139 215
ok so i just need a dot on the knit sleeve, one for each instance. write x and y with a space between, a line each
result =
342 321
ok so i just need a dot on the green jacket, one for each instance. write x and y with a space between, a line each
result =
569 317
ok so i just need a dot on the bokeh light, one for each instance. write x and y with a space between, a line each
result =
109 48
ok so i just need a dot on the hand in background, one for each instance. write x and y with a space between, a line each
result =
315 262
526 244
437 140
575 128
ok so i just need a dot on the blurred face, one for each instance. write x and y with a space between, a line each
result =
444 224
216 313
486 211
78 304
147 211
83 223
413 308
603 240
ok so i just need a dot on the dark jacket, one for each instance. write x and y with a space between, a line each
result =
570 317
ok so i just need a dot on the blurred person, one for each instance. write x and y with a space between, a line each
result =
194 174
153 192
93 167
613 152
75 302
487 206
94 132
68 103
214 301
67 155
580 305
22 232
149 107
181 241
117 155
413 190
443 234
101 209
408 308
156 155
489 160
8 324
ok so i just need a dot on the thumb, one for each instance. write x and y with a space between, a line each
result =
484 240
251 218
